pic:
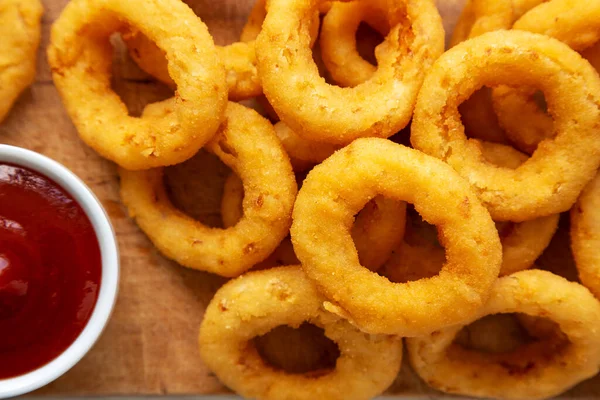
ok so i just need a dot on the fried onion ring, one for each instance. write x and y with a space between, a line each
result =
234 317
20 30
80 56
377 230
536 370
248 145
585 236
560 168
337 189
574 23
479 17
380 106
338 40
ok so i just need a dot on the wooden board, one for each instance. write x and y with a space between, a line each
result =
150 345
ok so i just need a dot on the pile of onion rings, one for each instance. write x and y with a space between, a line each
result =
327 220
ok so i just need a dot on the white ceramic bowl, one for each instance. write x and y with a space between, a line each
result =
109 279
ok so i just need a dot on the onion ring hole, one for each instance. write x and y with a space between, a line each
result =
298 350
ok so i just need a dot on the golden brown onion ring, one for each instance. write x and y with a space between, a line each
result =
80 56
248 145
380 106
337 189
20 30
575 23
536 370
560 168
260 301
479 17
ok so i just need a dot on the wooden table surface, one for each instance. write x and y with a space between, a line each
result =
150 345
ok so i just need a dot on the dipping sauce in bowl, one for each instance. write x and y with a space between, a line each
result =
50 270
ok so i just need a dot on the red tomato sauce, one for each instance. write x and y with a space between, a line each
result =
50 270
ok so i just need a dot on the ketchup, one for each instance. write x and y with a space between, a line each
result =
50 270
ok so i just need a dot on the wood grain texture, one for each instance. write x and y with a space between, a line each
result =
150 345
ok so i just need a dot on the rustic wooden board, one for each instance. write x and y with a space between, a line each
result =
150 345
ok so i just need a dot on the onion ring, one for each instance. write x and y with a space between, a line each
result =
560 168
536 370
575 24
479 17
377 230
337 189
20 30
380 106
80 56
338 40
247 144
585 236
234 317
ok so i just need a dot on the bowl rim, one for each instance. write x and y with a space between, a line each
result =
110 273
